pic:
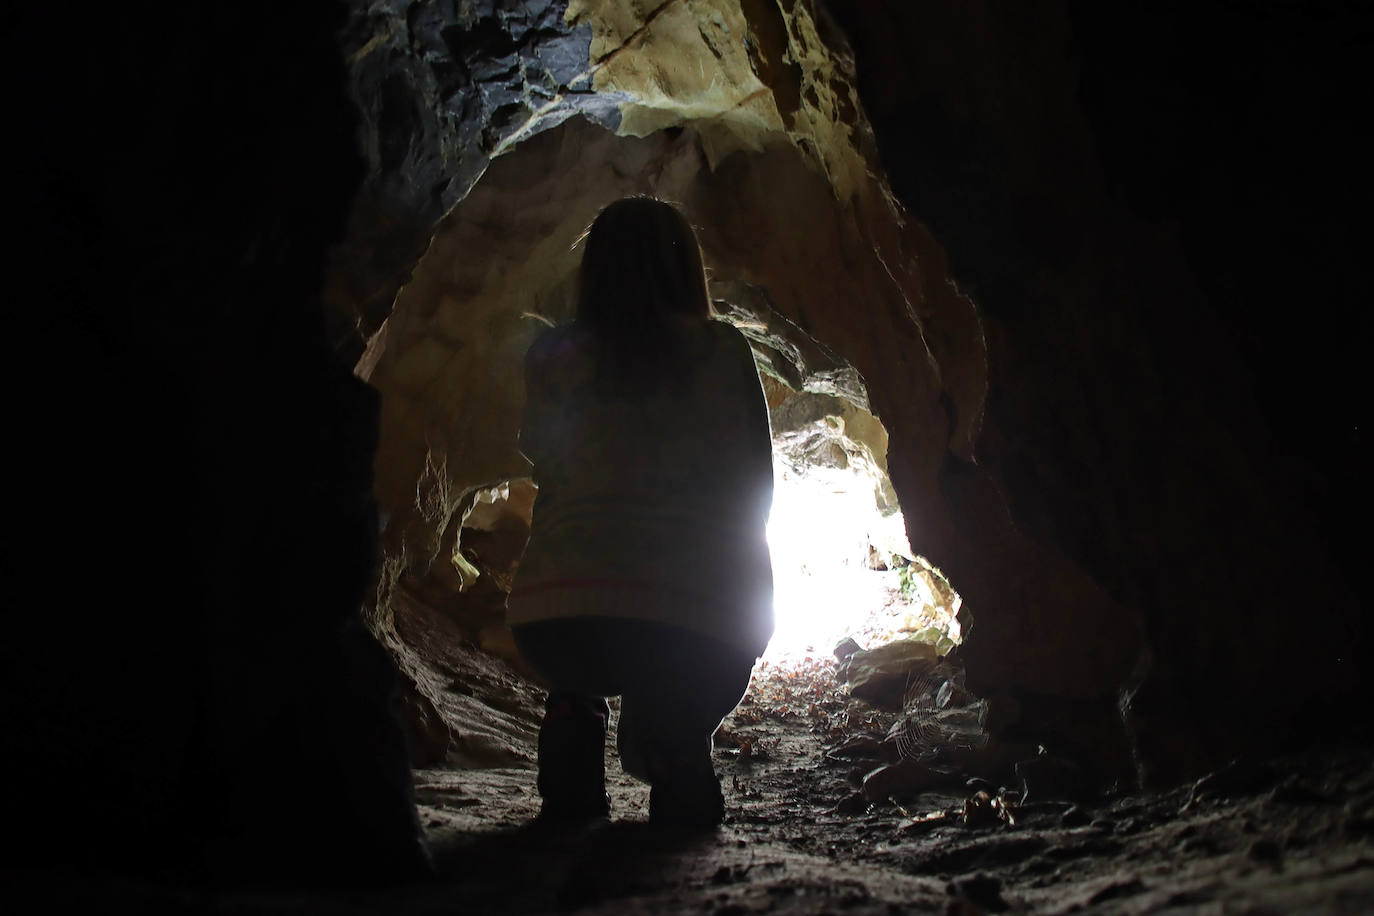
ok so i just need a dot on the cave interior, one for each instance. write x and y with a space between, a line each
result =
1067 289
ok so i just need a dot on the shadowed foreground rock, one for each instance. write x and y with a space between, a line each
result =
196 488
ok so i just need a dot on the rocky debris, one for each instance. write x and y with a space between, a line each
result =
939 744
904 780
859 747
1239 777
847 647
1047 777
803 690
882 676
983 808
982 892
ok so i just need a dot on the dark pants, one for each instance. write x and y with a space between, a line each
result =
675 687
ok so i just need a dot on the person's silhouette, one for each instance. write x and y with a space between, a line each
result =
647 573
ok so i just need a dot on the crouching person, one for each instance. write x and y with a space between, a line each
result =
647 573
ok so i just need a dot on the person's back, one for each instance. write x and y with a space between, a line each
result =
647 573
665 488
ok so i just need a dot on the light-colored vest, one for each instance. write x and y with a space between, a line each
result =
651 506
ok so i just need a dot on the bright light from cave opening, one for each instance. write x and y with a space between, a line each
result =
843 568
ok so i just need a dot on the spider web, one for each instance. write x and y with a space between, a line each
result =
939 714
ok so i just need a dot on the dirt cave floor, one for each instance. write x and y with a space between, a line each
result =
1290 835
1278 836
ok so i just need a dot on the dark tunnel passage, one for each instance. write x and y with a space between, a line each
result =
1006 272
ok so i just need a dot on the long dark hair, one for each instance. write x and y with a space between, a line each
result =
642 279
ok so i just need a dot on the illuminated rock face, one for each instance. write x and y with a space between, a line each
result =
747 116
1011 430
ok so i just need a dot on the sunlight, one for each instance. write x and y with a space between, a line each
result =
826 534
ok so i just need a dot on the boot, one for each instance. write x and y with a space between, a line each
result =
686 798
572 763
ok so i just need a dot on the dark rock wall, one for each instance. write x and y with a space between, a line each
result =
1143 201
191 462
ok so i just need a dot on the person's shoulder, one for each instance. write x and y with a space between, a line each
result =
559 359
555 344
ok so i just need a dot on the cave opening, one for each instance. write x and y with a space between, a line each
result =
842 564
